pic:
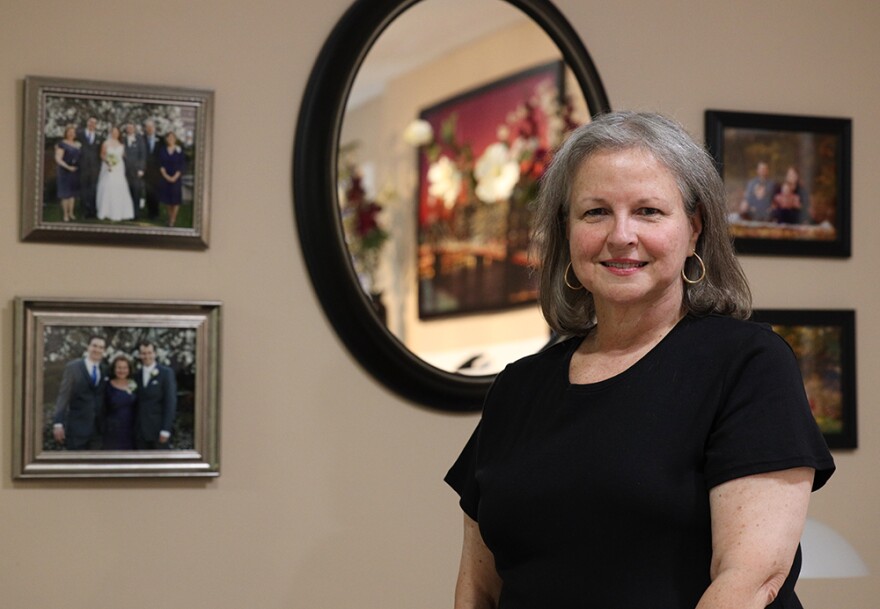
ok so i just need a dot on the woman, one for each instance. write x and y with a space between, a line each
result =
67 153
171 165
785 194
663 454
120 401
114 198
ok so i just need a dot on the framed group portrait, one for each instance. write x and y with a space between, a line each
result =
116 163
116 388
823 342
787 180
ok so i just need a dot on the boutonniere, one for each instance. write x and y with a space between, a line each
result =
131 387
154 372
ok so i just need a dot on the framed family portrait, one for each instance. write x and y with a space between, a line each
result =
116 388
788 181
477 177
116 163
824 344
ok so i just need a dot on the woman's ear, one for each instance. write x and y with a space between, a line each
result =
697 225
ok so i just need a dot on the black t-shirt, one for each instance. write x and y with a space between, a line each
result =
598 495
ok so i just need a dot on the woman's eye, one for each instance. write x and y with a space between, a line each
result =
649 211
594 213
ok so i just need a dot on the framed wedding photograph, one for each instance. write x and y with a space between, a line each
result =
824 343
788 181
116 388
116 163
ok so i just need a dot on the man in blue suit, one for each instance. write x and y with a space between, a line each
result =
76 423
157 401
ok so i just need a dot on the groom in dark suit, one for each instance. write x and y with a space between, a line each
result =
135 164
89 167
152 143
76 423
157 401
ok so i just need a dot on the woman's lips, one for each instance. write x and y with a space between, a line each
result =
623 267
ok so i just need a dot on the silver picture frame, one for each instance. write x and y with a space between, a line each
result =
51 334
53 104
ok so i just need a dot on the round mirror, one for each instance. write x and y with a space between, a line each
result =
424 128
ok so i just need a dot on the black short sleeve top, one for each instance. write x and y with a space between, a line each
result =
598 495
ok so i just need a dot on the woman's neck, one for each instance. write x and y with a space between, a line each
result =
633 328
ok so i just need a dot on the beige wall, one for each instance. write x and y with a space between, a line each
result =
331 493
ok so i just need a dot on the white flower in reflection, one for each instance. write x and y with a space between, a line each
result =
418 133
496 173
444 181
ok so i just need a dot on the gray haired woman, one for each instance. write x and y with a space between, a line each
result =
663 453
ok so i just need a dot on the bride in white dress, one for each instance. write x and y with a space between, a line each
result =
114 199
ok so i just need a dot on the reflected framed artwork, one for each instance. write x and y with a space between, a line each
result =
116 163
824 343
479 162
787 180
116 388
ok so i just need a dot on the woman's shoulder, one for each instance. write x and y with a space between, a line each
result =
721 333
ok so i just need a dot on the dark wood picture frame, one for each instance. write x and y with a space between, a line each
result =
474 256
824 341
813 154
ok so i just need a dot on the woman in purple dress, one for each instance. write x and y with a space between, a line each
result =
172 163
120 402
67 153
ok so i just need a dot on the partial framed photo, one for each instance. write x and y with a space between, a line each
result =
787 180
116 163
477 178
116 388
824 344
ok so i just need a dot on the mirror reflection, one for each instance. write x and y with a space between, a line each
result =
449 124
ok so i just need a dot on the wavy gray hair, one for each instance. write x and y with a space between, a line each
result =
724 290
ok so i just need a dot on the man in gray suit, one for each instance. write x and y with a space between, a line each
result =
76 423
157 401
135 164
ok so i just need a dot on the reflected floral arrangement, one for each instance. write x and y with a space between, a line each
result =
362 225
506 171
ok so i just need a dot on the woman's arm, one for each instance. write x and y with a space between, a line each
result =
59 157
757 522
478 585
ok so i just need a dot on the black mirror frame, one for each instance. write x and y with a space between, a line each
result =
316 205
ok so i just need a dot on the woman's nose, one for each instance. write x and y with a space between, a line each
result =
622 231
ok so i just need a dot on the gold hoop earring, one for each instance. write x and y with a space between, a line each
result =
702 271
565 279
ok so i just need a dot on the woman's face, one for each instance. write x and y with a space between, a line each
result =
629 234
69 133
791 176
114 133
121 369
171 139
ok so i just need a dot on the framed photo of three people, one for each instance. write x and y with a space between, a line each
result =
116 388
112 162
787 179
